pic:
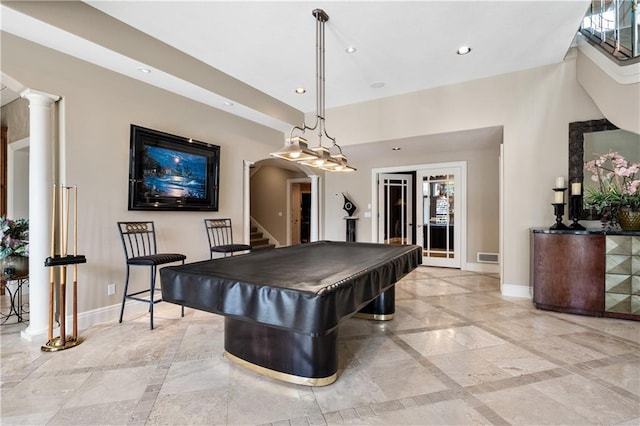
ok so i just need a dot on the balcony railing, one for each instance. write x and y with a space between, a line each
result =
615 26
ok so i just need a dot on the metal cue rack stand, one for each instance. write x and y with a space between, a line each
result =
59 263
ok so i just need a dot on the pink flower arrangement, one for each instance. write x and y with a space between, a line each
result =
618 183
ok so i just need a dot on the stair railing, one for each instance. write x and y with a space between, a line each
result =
614 26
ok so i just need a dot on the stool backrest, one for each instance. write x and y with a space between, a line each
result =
219 232
138 238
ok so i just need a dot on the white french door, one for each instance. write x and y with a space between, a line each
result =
439 214
395 193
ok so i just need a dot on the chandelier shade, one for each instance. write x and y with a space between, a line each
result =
296 148
342 165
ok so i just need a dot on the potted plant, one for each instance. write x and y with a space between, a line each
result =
14 247
616 194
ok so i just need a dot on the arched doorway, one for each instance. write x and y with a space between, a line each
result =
268 188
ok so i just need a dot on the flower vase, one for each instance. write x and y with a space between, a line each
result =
13 267
629 219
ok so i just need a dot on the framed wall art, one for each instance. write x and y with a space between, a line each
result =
168 172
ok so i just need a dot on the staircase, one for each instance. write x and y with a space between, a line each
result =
258 241
613 26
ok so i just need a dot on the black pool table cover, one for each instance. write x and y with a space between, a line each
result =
306 288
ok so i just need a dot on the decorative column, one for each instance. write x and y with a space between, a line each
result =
41 179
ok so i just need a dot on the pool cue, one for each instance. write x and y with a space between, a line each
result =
63 270
51 271
75 265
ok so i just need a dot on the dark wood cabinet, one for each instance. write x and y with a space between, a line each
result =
586 272
568 272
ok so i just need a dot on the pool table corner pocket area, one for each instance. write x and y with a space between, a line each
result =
282 307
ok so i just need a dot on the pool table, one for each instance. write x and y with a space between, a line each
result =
282 306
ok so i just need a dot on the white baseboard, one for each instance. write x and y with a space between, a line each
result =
89 319
108 313
515 290
488 268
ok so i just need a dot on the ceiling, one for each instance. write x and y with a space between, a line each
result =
268 48
408 46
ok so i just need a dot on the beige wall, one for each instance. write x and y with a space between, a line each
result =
534 107
98 107
269 199
619 102
482 194
15 117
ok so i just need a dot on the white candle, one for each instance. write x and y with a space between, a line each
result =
558 197
560 182
576 188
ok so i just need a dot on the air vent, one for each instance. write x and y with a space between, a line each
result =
488 257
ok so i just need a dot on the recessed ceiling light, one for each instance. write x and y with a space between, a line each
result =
463 50
350 49
396 148
227 103
144 70
301 90
377 85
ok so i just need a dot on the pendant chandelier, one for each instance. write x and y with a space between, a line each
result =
295 147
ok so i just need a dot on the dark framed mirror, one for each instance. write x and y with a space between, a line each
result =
577 130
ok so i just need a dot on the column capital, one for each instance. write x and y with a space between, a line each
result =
35 96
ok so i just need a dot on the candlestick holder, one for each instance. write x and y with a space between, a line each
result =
558 211
576 212
558 199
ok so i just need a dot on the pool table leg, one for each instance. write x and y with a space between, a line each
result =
282 354
382 308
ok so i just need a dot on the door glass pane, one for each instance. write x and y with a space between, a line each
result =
395 214
438 192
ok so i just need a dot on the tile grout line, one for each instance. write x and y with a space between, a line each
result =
469 391
141 412
455 392
577 368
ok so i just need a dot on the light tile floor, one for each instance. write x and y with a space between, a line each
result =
456 353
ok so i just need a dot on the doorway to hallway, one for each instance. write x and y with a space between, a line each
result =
424 205
300 212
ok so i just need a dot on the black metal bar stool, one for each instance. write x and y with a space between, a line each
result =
220 235
139 243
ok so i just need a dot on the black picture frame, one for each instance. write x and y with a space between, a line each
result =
168 172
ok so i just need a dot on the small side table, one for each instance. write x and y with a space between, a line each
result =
16 303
